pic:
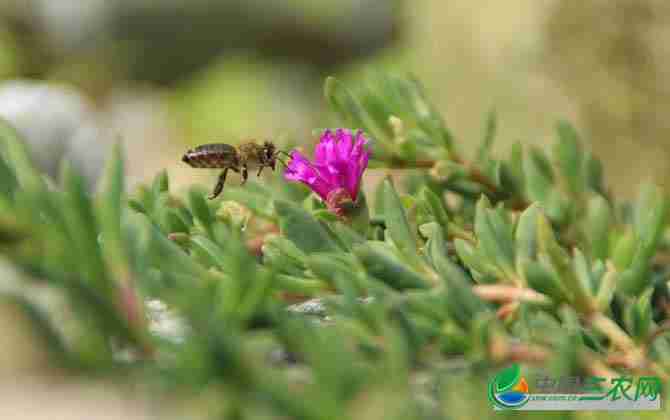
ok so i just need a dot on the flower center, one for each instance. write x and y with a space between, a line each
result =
337 199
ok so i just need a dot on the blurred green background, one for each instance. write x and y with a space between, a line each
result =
164 76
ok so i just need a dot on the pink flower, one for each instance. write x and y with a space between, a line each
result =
340 159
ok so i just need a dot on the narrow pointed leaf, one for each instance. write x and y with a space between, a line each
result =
597 225
396 222
569 155
303 229
384 266
560 261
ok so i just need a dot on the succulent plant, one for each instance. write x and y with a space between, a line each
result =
294 311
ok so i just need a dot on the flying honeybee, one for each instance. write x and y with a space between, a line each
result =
247 156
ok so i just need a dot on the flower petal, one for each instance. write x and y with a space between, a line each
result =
340 158
344 144
327 158
358 163
324 148
358 149
300 169
362 166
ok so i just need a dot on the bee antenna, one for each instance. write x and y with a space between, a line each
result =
290 157
282 152
282 162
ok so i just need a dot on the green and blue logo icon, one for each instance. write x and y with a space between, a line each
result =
508 389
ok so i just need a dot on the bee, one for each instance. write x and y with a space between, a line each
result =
247 156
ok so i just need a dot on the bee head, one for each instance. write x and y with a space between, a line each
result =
269 154
186 157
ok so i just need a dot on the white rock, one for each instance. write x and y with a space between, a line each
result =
57 123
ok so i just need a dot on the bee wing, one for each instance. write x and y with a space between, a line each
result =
213 155
212 148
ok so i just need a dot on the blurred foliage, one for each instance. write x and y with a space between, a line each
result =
9 55
227 100
611 59
602 64
166 42
485 261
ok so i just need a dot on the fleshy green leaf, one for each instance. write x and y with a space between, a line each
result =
463 303
436 207
333 268
303 229
560 261
396 223
594 173
383 265
284 255
111 201
475 261
490 129
639 315
606 290
649 224
82 227
161 183
16 155
201 210
624 251
545 282
494 237
526 234
569 155
538 175
213 252
597 225
349 108
346 235
8 181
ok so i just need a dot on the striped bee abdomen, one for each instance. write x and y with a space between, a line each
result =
216 155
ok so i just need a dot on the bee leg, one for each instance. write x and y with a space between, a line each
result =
259 171
245 174
219 185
